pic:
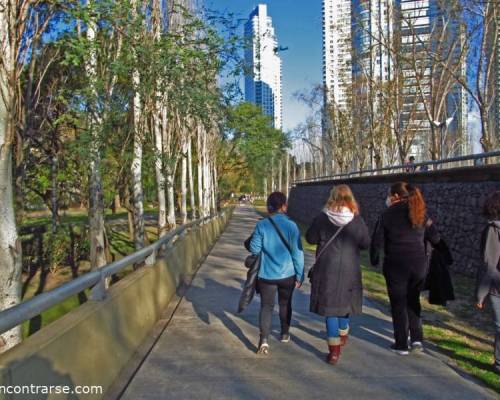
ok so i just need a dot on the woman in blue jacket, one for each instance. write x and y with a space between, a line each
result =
277 240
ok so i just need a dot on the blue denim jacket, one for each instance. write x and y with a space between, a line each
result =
276 260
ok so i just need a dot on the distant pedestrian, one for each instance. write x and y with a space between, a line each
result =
402 230
410 165
277 240
489 271
424 168
337 290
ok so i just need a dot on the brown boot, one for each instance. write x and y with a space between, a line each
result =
343 340
334 354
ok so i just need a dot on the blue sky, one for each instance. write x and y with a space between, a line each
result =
298 26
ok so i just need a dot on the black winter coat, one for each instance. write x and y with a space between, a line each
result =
438 280
404 245
336 286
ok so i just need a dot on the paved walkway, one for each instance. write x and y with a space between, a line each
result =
208 351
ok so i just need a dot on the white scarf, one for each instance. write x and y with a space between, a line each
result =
340 217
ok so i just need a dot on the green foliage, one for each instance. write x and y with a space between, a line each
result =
250 146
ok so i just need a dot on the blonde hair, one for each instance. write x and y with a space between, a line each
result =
341 196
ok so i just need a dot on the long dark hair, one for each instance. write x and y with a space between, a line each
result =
416 202
491 208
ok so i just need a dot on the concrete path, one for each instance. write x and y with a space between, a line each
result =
208 351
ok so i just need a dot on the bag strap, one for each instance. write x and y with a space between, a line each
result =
330 241
280 234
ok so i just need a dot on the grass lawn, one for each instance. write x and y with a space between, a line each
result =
458 331
120 246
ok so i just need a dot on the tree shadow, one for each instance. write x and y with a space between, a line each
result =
36 374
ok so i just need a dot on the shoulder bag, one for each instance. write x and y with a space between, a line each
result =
330 241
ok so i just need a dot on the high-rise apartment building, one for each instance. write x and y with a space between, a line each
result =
337 59
414 24
263 75
368 43
420 24
372 34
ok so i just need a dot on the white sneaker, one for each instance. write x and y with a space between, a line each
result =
285 338
417 346
399 352
263 348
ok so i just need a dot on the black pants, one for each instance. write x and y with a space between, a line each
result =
404 286
268 289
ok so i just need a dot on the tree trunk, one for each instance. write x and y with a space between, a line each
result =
169 171
214 188
160 180
96 198
137 192
117 205
485 131
287 176
172 223
206 177
10 245
280 175
184 183
96 213
273 182
190 179
201 206
54 204
136 167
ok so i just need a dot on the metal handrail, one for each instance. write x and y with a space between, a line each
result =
16 315
471 157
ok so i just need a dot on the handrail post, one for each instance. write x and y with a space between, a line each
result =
151 259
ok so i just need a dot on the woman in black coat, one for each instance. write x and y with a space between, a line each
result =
402 231
336 287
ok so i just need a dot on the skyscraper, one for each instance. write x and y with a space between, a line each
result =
372 32
263 74
373 45
337 60
420 26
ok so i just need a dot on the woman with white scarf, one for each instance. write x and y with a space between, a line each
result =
336 288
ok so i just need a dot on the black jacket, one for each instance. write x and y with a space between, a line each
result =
403 244
250 286
438 280
336 287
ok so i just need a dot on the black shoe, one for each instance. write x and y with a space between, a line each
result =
285 338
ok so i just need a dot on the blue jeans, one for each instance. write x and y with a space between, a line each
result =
335 327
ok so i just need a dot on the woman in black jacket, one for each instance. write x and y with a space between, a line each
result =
336 288
402 231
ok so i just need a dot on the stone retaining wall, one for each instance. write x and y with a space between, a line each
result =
454 199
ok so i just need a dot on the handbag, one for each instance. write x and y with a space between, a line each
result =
330 241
